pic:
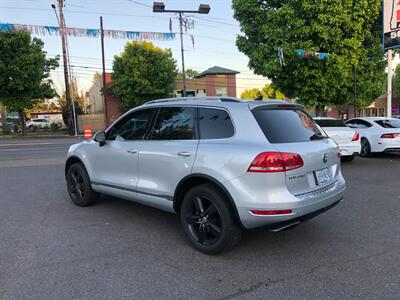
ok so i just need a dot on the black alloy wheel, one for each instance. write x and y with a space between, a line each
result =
208 220
365 148
204 221
79 188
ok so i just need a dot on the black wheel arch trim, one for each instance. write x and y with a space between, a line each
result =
76 158
217 183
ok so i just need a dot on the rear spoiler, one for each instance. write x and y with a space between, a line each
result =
276 106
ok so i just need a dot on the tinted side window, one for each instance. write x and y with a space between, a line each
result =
132 127
286 126
389 123
174 123
215 124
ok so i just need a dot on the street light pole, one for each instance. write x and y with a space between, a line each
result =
160 8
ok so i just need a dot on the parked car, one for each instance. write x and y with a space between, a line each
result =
347 138
222 164
41 123
378 134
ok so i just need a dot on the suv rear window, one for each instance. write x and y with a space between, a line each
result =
389 123
286 125
330 123
215 124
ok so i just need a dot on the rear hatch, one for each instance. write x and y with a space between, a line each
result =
290 130
337 130
341 135
390 129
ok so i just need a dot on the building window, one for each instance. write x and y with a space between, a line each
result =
221 91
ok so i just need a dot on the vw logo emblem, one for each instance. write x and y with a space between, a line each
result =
325 158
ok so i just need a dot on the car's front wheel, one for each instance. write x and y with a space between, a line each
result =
208 220
78 184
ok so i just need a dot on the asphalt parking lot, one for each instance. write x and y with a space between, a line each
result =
51 249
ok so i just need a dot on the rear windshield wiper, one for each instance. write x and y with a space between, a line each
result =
317 137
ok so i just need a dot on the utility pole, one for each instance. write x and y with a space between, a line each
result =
182 55
355 92
389 84
65 61
104 73
159 7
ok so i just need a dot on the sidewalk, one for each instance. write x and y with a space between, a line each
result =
39 136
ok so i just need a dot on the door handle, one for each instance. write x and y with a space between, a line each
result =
133 151
184 154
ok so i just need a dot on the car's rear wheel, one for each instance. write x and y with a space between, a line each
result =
365 148
208 220
79 188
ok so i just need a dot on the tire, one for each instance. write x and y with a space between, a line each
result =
348 158
208 220
365 148
79 188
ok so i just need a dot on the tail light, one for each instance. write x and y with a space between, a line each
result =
356 137
390 135
272 162
338 152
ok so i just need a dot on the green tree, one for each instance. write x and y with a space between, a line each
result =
143 72
24 73
79 101
190 74
267 92
350 31
396 80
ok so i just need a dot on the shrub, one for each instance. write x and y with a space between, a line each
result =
55 126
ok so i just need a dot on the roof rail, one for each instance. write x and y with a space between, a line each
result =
211 98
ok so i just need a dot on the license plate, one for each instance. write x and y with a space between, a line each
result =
322 176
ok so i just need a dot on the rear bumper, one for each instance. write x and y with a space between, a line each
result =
350 149
289 223
303 207
387 145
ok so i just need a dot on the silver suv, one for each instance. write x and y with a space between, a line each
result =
220 163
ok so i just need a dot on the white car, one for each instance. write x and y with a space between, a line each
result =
378 134
41 123
347 138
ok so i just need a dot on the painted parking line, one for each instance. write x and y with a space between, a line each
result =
33 144
30 149
32 162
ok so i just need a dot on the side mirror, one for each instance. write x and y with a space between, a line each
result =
100 137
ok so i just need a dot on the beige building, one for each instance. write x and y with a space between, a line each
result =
95 102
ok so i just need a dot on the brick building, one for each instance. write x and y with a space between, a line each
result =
215 81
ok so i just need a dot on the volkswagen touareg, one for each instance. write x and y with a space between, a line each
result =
221 164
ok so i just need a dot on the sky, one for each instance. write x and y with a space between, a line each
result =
214 34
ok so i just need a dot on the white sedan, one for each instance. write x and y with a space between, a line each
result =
378 134
347 138
40 123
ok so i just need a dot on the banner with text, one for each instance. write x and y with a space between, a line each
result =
391 24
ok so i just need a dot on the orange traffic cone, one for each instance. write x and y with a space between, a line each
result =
87 132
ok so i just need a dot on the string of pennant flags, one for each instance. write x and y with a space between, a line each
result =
85 32
303 54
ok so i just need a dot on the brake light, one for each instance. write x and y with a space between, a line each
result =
356 137
390 135
338 152
272 162
271 212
